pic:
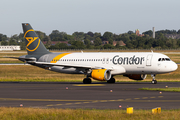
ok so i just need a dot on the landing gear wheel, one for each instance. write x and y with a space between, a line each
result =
154 82
112 80
87 81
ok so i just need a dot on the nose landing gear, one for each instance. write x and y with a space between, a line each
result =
153 80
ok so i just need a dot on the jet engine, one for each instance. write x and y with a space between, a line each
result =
136 76
100 74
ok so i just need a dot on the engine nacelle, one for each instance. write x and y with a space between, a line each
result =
100 74
136 76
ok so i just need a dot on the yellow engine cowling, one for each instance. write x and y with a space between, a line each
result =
136 76
100 74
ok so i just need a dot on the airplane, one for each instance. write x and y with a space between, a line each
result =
101 66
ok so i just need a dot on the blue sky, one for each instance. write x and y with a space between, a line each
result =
116 16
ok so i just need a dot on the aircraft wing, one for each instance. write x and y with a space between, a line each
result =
68 65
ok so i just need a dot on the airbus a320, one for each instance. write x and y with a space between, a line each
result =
99 66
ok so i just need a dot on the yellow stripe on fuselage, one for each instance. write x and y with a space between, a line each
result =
54 60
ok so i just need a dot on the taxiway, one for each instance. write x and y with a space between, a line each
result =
91 96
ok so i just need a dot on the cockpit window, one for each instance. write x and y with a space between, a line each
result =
168 59
164 59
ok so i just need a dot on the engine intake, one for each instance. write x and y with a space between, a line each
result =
100 74
136 76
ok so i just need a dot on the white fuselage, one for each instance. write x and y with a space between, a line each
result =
117 62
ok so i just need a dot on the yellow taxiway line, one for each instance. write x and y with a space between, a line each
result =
89 85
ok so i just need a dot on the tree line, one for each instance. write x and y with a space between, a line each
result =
108 40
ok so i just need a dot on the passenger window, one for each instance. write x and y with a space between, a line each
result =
159 59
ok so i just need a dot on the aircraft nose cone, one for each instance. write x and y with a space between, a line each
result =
174 67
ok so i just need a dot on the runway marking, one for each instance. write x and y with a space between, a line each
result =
120 100
128 99
84 85
103 100
89 101
78 103
136 98
59 104
125 100
51 100
68 103
144 97
160 96
86 102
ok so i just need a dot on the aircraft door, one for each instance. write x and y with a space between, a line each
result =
149 59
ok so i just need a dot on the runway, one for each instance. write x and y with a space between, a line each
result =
89 96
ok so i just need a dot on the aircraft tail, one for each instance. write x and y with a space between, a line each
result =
34 46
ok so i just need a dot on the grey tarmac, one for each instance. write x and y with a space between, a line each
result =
98 95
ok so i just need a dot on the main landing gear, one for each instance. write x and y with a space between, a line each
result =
153 80
112 80
87 80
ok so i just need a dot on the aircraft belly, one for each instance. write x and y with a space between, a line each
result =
140 70
67 70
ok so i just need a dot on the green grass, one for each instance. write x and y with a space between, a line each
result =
83 114
171 89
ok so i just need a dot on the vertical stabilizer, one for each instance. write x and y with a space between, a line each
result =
34 46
